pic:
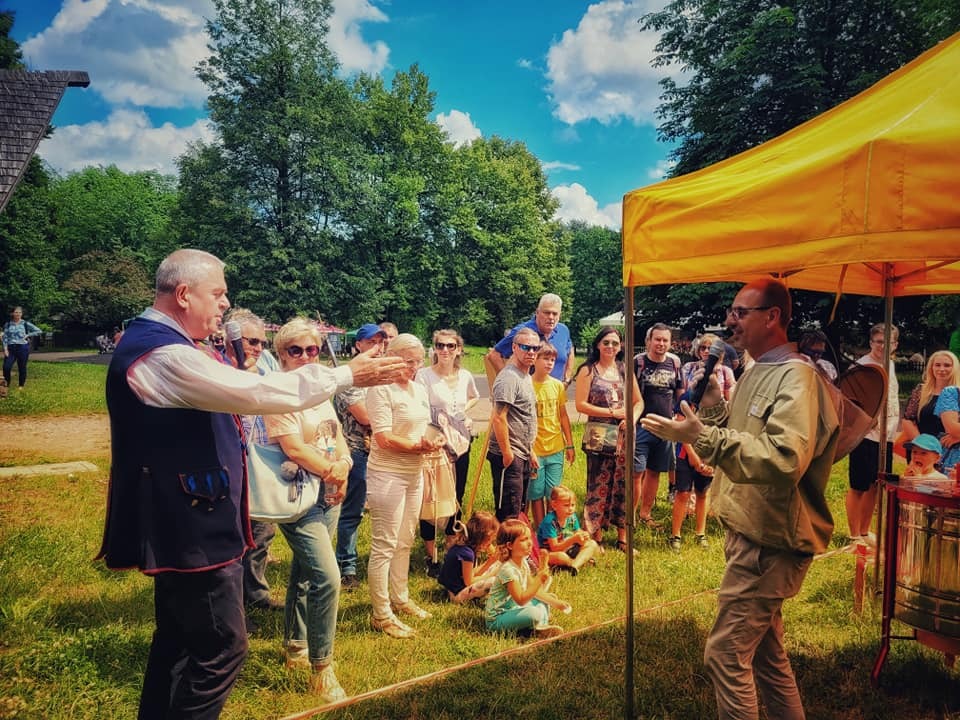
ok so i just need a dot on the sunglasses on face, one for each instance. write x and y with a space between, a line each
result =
445 346
610 343
741 312
296 351
528 348
255 342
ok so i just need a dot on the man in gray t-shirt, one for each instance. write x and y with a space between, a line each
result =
513 427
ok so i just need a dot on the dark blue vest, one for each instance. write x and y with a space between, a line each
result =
177 498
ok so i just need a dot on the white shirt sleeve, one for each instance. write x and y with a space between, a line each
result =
181 376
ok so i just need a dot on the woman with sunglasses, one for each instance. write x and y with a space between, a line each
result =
600 395
701 350
452 390
312 439
399 414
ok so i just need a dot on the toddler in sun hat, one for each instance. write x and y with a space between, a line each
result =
925 453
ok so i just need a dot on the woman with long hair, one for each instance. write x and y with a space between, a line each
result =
452 390
932 407
600 395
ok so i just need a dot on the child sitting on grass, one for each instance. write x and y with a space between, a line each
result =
459 575
517 600
567 545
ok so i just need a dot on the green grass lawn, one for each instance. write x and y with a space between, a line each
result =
74 636
58 388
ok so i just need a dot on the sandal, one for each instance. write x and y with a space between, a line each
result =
650 523
622 547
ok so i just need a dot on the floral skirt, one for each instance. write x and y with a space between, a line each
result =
606 493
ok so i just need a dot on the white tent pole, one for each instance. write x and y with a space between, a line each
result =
628 497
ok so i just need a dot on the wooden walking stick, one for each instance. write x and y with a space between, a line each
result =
491 372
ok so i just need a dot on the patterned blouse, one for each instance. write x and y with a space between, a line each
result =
17 333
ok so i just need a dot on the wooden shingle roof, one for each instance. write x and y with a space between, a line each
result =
27 102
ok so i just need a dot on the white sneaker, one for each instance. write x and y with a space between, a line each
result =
412 609
391 627
323 682
296 657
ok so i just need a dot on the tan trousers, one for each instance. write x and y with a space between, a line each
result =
744 653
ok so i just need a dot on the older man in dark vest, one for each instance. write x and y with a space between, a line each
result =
177 507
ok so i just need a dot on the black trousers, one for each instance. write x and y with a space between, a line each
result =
509 485
199 644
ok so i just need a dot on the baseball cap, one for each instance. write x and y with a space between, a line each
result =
365 332
927 442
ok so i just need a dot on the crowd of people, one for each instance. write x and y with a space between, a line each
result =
757 428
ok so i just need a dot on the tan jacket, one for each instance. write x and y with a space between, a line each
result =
773 453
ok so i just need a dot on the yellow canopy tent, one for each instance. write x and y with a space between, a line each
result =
873 181
863 199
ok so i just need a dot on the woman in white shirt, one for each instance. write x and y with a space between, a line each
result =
313 439
399 414
452 389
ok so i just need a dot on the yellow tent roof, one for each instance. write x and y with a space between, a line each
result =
867 190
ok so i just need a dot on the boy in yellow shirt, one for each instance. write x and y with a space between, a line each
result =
554 441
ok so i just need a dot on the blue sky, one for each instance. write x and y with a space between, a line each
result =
573 80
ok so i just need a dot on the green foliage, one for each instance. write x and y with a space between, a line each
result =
507 248
107 287
11 58
597 274
103 209
30 257
756 69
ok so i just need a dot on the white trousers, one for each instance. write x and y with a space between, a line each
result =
394 503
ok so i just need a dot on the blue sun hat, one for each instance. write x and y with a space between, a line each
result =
927 442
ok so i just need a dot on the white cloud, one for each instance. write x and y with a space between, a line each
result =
525 64
144 52
346 42
459 127
137 52
558 165
661 169
126 139
577 204
603 69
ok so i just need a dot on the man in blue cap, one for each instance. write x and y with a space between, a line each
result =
351 408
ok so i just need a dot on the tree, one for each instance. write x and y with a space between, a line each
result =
101 209
279 173
30 257
597 275
106 288
29 261
507 249
758 68
10 56
405 200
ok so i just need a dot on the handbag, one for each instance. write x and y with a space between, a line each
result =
439 488
273 497
601 437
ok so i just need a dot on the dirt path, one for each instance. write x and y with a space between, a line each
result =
56 439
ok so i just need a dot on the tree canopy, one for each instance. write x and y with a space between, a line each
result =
753 69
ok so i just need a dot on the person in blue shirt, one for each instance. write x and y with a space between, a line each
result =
546 323
16 345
